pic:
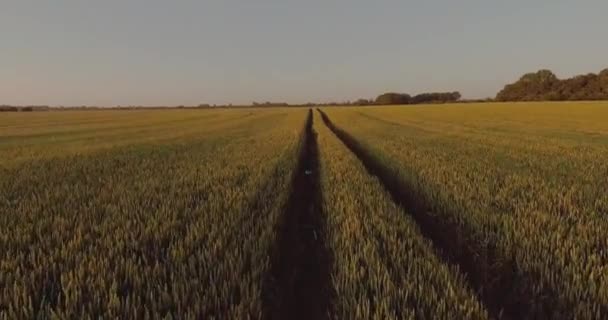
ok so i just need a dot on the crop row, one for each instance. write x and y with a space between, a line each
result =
383 268
524 216
180 229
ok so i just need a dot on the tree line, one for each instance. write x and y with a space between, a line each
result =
404 98
383 99
7 108
545 86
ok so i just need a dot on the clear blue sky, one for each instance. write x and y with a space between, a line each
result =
152 52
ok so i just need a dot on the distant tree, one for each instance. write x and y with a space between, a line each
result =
363 102
544 85
603 83
393 98
270 104
5 108
530 87
456 96
436 97
585 87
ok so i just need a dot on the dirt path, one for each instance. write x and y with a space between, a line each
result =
300 273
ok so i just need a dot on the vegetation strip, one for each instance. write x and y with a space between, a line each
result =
444 237
182 230
300 273
383 268
523 184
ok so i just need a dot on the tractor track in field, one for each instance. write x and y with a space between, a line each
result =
298 286
498 295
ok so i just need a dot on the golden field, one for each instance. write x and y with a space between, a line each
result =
424 212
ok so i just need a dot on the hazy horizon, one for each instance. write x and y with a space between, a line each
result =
159 53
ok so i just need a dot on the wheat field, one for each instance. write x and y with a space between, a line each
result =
467 211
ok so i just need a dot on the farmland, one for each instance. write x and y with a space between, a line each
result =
468 211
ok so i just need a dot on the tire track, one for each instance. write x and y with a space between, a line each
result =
299 281
497 292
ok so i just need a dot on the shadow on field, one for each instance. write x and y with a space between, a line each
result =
298 285
505 294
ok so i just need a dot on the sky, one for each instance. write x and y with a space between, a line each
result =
153 52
